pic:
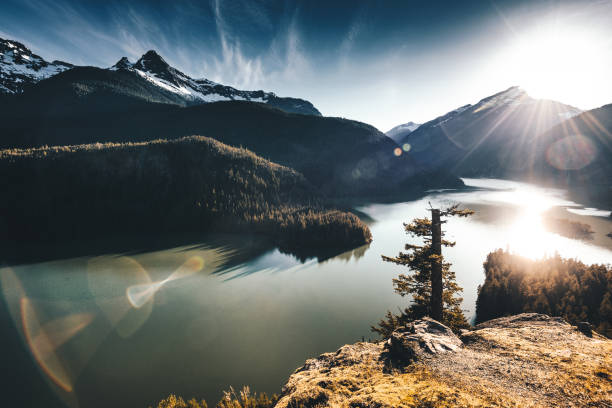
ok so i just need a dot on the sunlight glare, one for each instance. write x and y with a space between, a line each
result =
558 62
526 234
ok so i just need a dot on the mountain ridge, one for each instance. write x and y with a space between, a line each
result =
340 156
401 131
490 138
20 68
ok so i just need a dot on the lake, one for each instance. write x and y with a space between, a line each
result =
127 329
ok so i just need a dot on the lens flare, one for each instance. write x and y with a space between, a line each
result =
44 340
191 266
139 295
406 147
571 153
397 151
12 291
108 291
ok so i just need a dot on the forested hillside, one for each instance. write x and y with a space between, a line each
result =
86 105
189 184
559 287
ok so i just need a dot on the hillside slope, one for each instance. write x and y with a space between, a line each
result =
192 184
527 360
577 154
87 105
493 138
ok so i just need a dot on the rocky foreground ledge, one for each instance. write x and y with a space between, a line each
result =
527 360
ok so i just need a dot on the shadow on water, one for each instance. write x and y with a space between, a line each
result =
322 255
14 253
66 320
237 248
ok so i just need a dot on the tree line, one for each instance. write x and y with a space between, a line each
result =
190 184
555 286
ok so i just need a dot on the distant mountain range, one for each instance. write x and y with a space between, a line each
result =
401 131
577 154
509 134
494 137
149 100
512 135
20 68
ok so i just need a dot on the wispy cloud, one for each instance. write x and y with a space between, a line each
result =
283 60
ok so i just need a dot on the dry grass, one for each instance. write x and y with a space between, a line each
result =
333 381
547 365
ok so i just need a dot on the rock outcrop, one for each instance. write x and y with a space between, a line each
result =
420 338
528 360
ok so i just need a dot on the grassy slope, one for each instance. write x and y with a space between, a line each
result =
527 360
530 364
188 184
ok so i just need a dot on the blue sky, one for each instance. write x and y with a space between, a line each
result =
381 62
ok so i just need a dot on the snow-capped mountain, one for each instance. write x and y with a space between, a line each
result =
494 137
19 67
516 96
402 130
511 101
152 67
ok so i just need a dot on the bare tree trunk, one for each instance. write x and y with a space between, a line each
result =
436 266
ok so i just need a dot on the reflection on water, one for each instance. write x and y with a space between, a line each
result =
126 330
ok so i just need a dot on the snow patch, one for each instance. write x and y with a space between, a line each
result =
590 211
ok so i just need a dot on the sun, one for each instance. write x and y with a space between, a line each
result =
558 62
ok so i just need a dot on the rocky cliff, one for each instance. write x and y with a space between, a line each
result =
527 360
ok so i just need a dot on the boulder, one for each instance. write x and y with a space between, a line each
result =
420 338
585 328
522 320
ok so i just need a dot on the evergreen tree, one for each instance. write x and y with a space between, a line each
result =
560 287
432 284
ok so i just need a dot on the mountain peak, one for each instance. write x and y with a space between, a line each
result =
402 130
151 54
123 63
153 62
20 67
515 90
515 95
